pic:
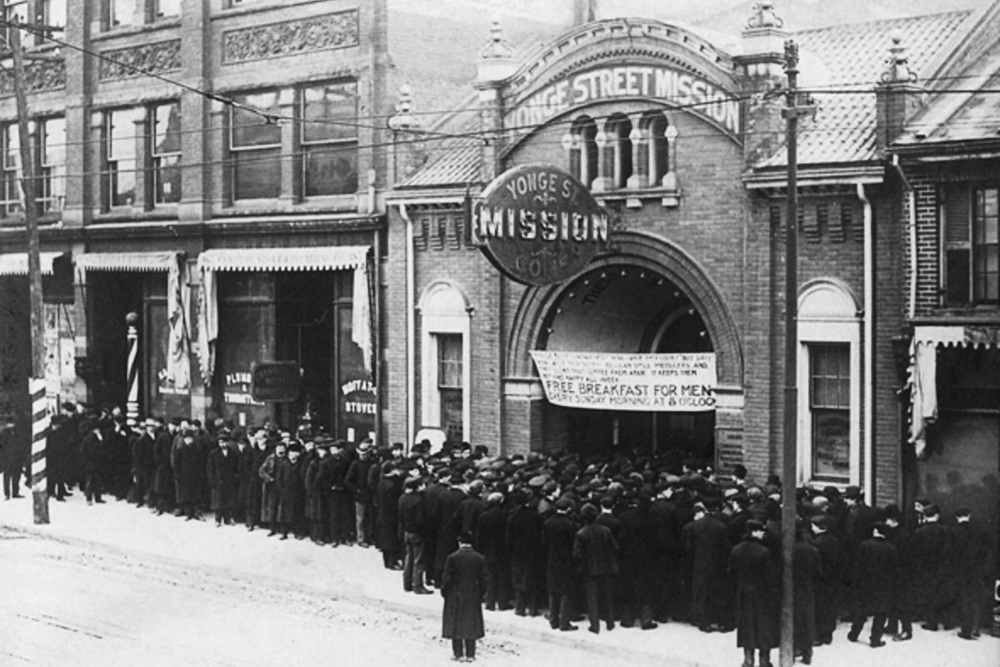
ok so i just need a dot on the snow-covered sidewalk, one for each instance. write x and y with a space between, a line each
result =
356 574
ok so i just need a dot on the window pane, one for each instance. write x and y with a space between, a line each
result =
54 141
250 128
331 170
449 361
831 444
54 12
167 179
121 133
122 12
168 7
167 128
330 112
12 143
257 174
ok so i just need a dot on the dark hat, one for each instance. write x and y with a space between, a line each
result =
891 512
881 526
712 504
932 510
295 447
564 504
852 492
589 512
465 537
753 525
831 492
822 522
963 511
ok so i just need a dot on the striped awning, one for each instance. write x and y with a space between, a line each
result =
126 261
16 263
326 258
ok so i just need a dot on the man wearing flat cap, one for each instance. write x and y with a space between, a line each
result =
595 553
558 536
756 571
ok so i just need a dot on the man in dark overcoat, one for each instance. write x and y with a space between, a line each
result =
143 469
972 564
316 506
163 480
932 578
444 514
463 586
828 585
755 570
595 553
524 545
387 493
357 481
558 536
334 478
706 546
189 472
251 459
412 519
490 540
268 473
289 482
806 570
876 574
223 472
640 552
92 454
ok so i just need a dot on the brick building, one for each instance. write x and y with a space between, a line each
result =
682 142
218 168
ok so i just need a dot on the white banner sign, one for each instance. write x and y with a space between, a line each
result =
642 382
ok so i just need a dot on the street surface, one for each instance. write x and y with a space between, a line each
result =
110 585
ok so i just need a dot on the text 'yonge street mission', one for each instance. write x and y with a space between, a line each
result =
645 382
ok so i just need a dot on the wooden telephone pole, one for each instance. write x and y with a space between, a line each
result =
36 382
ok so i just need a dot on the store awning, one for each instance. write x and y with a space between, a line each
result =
923 369
16 263
335 258
126 261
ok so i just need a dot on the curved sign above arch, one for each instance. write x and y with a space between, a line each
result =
670 86
538 225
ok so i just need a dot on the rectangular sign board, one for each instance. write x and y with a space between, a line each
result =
275 380
639 382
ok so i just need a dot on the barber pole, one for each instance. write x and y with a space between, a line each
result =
132 404
39 432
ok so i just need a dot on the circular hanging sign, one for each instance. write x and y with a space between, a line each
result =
538 225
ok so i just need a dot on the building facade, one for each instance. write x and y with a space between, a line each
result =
683 143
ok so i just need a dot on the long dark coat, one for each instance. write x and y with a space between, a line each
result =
268 472
491 538
463 586
223 478
558 536
640 550
387 495
189 473
706 547
250 462
91 452
524 546
447 537
831 560
163 482
756 573
876 572
595 551
805 571
291 487
315 500
929 581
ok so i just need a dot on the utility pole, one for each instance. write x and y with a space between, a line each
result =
789 473
36 383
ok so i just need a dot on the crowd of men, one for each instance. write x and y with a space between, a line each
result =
620 538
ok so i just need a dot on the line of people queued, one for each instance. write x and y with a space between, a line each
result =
630 539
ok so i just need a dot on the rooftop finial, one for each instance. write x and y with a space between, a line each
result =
897 64
404 119
497 48
764 17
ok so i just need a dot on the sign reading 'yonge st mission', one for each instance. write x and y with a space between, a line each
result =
539 225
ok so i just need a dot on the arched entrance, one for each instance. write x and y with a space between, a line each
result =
648 296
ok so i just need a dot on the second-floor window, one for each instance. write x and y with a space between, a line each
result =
166 153
121 156
52 164
166 8
121 12
11 203
971 234
330 139
255 146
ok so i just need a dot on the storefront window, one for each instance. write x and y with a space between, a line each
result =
829 403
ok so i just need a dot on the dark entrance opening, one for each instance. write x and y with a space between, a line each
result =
627 309
110 297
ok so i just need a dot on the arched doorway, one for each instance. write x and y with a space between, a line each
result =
648 296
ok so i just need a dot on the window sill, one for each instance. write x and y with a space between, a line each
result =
126 215
669 197
332 204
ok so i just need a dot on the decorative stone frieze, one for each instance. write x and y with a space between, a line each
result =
141 59
288 38
39 76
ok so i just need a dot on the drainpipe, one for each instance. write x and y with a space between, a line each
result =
911 229
869 345
411 366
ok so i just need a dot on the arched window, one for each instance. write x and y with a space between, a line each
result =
582 146
446 370
618 151
655 131
829 369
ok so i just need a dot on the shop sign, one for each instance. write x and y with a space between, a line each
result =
668 85
359 397
538 225
682 382
275 380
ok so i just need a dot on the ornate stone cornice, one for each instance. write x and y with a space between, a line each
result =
138 60
288 38
40 76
